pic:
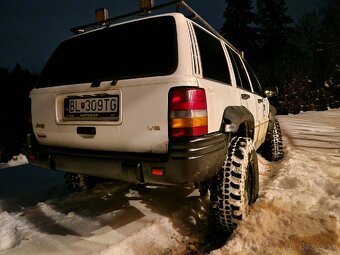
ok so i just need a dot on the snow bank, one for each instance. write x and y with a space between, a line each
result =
15 161
9 236
152 240
299 211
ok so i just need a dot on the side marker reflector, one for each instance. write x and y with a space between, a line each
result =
157 172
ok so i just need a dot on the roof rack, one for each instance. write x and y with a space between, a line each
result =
178 3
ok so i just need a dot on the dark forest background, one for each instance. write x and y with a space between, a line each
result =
301 58
15 86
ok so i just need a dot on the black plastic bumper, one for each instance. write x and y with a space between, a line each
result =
188 161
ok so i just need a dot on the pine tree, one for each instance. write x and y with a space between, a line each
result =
330 45
318 41
273 25
238 27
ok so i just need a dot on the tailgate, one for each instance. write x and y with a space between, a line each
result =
126 118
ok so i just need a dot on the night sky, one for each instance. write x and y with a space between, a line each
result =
31 29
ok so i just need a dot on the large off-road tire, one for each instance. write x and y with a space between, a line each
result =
78 182
272 150
236 186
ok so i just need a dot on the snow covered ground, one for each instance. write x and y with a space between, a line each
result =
298 210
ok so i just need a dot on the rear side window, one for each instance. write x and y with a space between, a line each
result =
214 63
242 79
254 81
132 50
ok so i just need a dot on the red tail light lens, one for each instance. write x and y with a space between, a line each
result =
157 171
188 112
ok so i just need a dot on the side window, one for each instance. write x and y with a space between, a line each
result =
242 79
254 81
214 63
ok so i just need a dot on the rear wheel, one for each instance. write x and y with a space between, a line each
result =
236 186
78 182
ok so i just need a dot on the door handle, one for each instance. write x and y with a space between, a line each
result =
245 96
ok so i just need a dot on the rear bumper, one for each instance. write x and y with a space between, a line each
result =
188 161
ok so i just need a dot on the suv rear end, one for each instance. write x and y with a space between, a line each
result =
122 102
158 100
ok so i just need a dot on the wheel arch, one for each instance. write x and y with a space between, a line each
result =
239 121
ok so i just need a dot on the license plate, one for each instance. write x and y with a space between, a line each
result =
92 108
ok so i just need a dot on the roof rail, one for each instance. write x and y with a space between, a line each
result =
177 3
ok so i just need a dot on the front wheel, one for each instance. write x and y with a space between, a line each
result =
272 150
236 186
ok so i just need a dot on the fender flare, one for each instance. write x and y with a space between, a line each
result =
235 117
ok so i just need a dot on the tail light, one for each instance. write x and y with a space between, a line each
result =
188 114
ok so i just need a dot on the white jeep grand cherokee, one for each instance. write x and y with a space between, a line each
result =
159 100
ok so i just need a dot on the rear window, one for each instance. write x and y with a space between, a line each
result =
137 49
